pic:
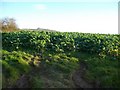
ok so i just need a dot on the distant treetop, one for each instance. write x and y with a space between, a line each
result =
8 24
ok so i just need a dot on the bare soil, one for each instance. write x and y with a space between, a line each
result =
77 77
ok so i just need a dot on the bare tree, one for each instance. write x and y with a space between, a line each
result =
8 24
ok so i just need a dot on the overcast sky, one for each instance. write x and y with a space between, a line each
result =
90 17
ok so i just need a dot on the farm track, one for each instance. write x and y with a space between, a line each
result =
77 77
24 81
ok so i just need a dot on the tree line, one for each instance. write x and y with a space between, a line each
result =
8 25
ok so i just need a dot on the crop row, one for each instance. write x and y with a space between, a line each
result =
61 41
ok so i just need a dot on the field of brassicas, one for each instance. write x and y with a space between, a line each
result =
61 52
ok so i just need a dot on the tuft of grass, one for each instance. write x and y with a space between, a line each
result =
37 82
103 70
14 65
55 71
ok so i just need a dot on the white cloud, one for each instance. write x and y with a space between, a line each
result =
40 6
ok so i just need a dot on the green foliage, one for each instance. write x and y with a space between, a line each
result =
55 71
13 66
61 52
37 82
102 70
60 62
102 44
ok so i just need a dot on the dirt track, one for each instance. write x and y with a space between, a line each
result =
77 77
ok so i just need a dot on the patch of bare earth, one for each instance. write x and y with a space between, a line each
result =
78 79
22 82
